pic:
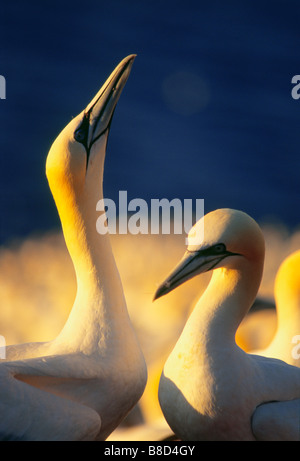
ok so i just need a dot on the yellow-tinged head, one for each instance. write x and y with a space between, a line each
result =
75 164
75 160
229 237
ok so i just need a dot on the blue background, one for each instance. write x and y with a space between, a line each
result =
207 111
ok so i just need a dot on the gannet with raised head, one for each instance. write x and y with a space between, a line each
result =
210 389
83 383
287 299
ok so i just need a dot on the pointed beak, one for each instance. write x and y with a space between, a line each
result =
98 114
192 263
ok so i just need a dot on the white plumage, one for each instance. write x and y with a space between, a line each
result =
83 383
210 389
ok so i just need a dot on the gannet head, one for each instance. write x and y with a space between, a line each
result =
229 235
77 155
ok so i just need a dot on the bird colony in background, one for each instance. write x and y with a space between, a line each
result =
90 356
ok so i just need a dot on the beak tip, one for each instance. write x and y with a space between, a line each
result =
161 291
129 59
155 297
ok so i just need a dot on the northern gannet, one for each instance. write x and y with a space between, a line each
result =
287 299
210 389
80 385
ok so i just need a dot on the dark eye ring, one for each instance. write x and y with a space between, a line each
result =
79 135
219 248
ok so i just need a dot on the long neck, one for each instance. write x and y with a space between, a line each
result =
99 305
225 302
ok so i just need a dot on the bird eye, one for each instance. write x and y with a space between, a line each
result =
220 248
79 135
81 132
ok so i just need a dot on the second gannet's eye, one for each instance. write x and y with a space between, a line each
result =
219 248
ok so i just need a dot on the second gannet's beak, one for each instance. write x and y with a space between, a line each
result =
193 263
98 114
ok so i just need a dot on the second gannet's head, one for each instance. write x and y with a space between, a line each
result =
230 236
75 160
